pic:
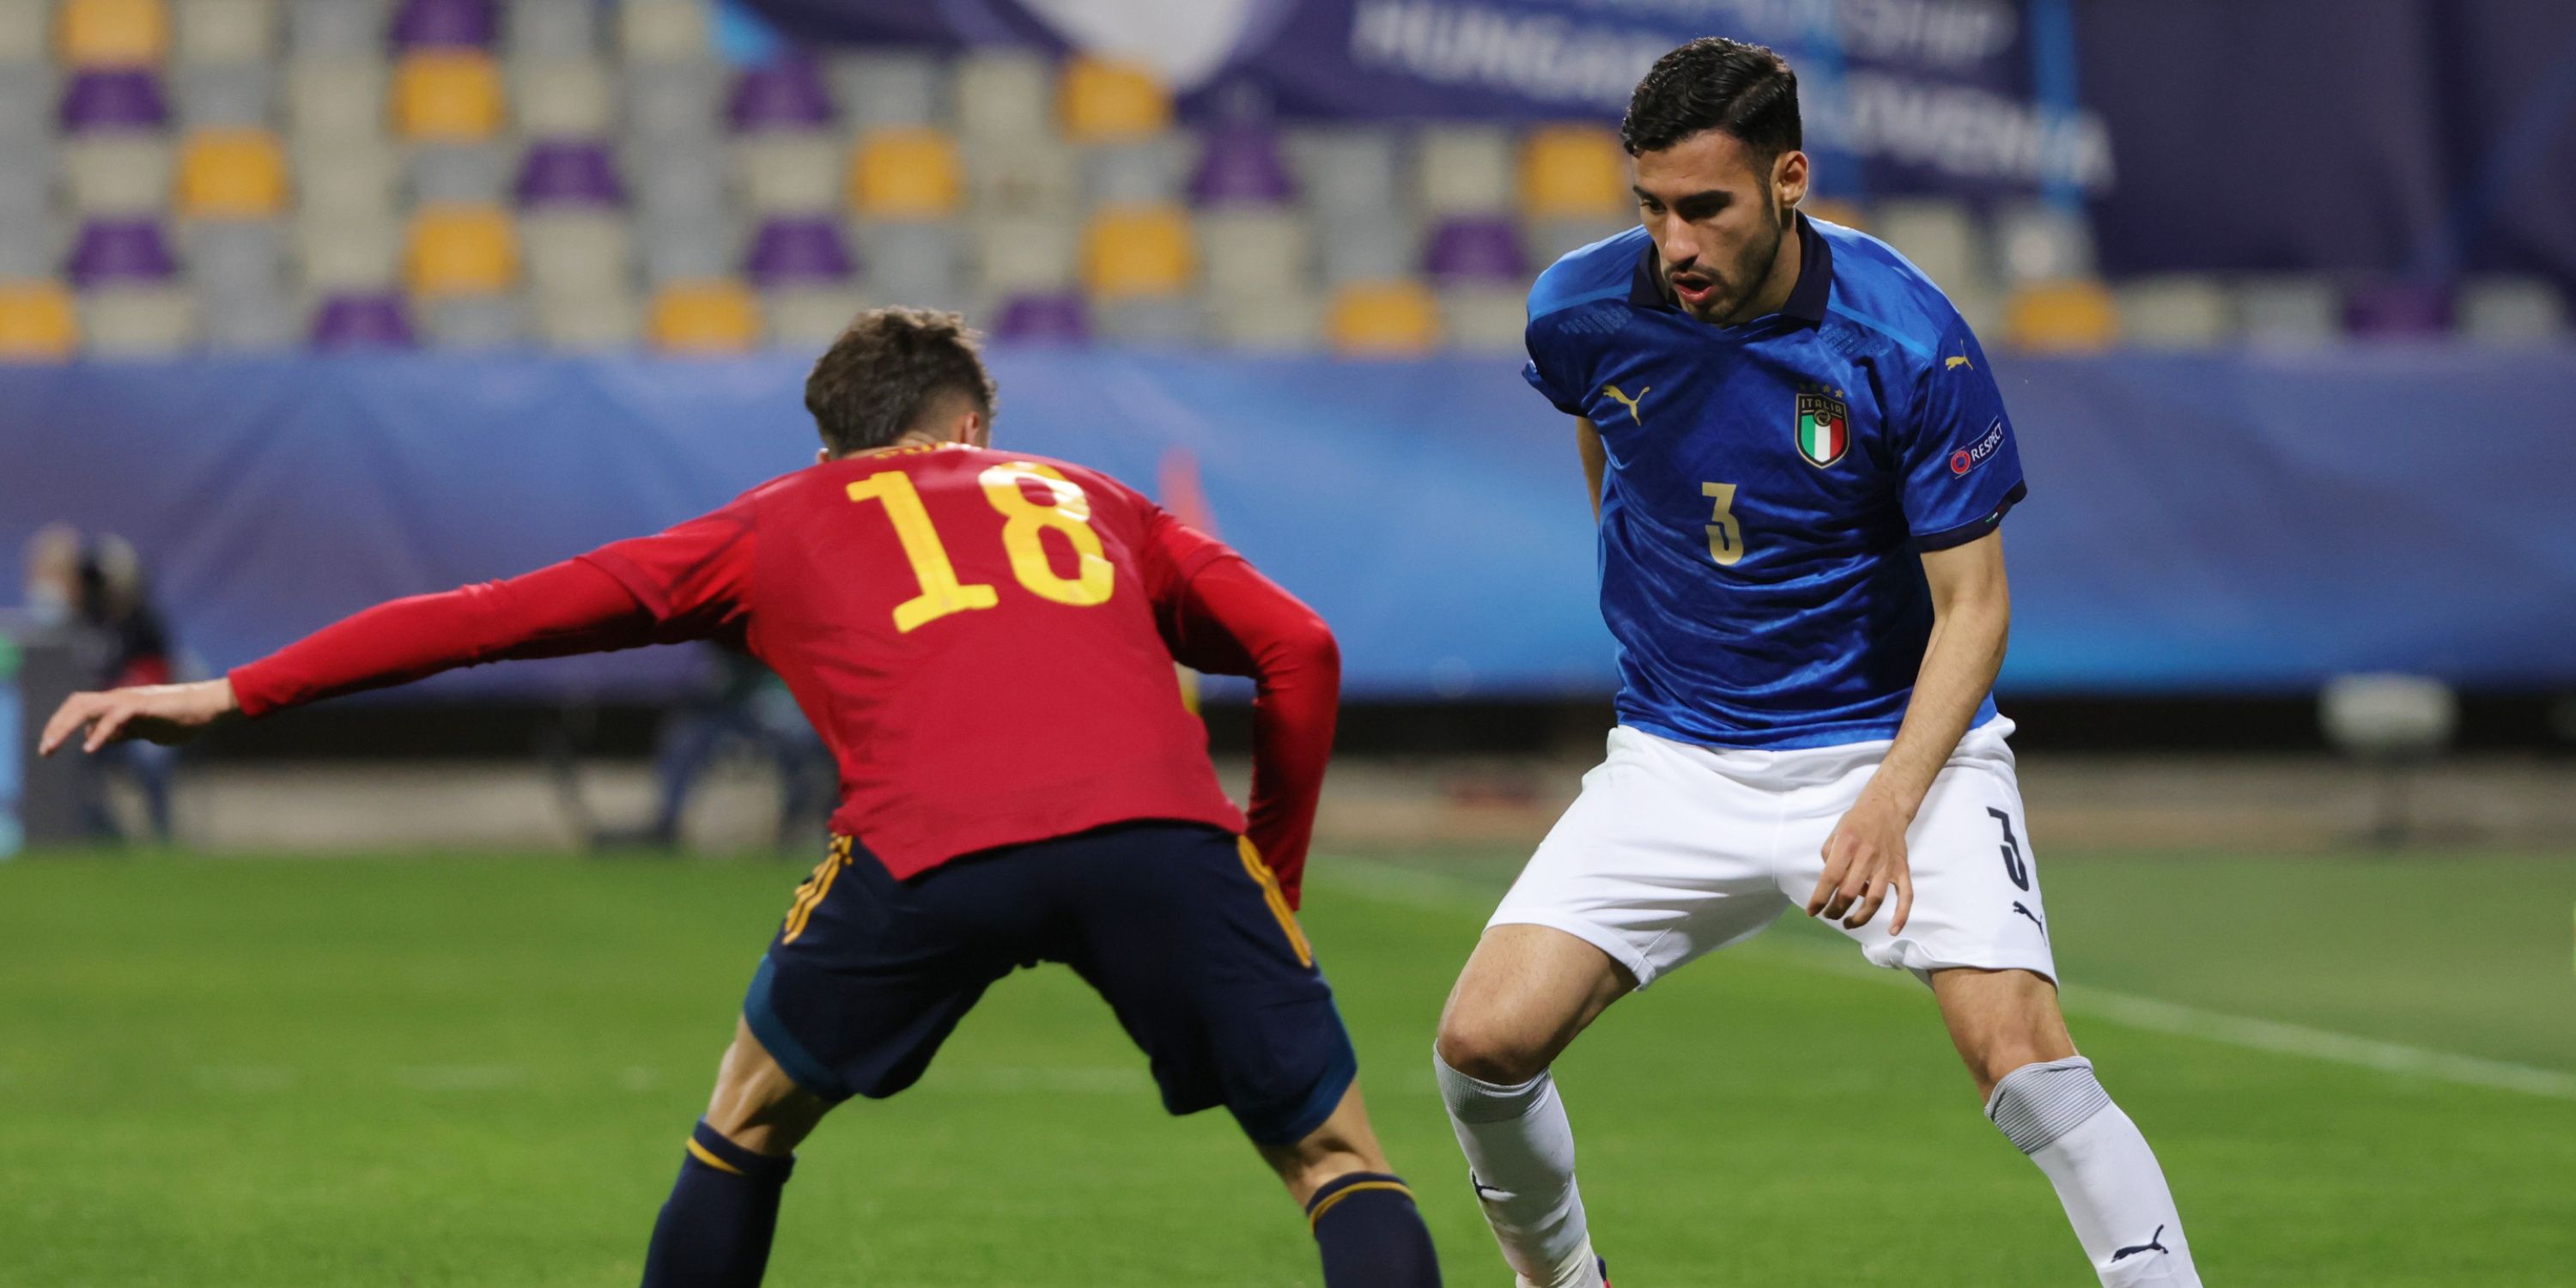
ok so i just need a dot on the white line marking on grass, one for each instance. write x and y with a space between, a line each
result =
1389 883
460 1077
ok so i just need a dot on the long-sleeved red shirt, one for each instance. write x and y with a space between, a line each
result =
984 640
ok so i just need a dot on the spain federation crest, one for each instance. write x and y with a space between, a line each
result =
1824 429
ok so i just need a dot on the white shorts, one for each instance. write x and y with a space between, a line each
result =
1674 850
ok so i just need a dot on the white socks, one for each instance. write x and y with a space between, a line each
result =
1520 1156
2114 1191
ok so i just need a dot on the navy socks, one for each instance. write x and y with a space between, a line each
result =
715 1229
1370 1234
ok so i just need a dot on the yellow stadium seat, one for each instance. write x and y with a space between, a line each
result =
448 96
461 250
713 316
37 323
906 173
1836 212
2061 317
1135 252
1570 171
1101 101
1383 319
112 33
232 174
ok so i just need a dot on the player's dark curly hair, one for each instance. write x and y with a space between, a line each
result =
891 368
1714 83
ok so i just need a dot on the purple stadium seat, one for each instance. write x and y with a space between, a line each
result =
569 172
1476 248
116 251
799 250
2399 310
362 321
1051 318
1242 166
781 94
115 98
434 24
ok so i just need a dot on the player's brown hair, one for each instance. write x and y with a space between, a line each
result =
891 368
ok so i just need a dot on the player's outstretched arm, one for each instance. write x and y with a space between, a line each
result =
1971 619
571 607
1228 619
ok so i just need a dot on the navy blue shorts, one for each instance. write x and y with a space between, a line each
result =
1178 925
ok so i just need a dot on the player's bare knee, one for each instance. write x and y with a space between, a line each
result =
755 1104
1488 1051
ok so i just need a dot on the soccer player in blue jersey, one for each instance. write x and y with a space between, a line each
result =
1799 463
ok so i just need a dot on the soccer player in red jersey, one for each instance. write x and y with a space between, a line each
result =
986 641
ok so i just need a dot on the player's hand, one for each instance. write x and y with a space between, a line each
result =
163 713
1864 863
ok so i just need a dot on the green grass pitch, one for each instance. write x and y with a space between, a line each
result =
435 1071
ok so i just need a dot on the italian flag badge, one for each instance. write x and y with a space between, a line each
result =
1824 429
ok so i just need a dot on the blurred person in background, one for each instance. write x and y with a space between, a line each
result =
51 591
120 640
750 708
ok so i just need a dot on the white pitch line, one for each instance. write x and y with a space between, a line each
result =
1389 883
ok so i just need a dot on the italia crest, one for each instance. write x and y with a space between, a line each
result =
1824 428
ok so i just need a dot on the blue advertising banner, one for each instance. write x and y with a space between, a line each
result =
2216 522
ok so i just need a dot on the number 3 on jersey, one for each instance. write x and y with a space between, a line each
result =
1023 537
1725 535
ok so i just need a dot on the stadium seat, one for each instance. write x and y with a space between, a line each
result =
682 183
473 322
663 31
1026 176
2038 242
444 24
1392 318
448 96
906 172
1257 253
1105 101
337 28
1241 164
1149 170
1941 237
1043 317
783 95
1489 318
1549 239
568 172
581 323
1572 171
2289 312
689 249
2175 311
1130 252
575 253
461 250
137 321
1367 246
232 174
362 320
798 251
1831 210
347 254
236 257
2401 309
673 103
809 317
790 173
37 322
31 239
341 97
1462 170
1476 250
889 90
713 316
127 251
234 95
113 100
2512 311
27 102
563 97
1347 170
247 322
117 174
462 173
343 179
1026 255
22 34
226 32
2061 317
913 262
112 33
1003 96
1286 322
554 30
1165 322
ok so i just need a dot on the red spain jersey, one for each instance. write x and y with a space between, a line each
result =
979 636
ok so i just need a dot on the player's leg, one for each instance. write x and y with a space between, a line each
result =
716 1227
2045 1098
1644 873
1361 1213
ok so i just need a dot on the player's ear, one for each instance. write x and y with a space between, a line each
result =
1789 175
822 456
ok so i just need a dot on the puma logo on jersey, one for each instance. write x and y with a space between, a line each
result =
1956 361
1628 402
2154 1243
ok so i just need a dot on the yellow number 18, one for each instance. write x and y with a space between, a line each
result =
1022 536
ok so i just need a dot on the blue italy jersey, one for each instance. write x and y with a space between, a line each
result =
1770 484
